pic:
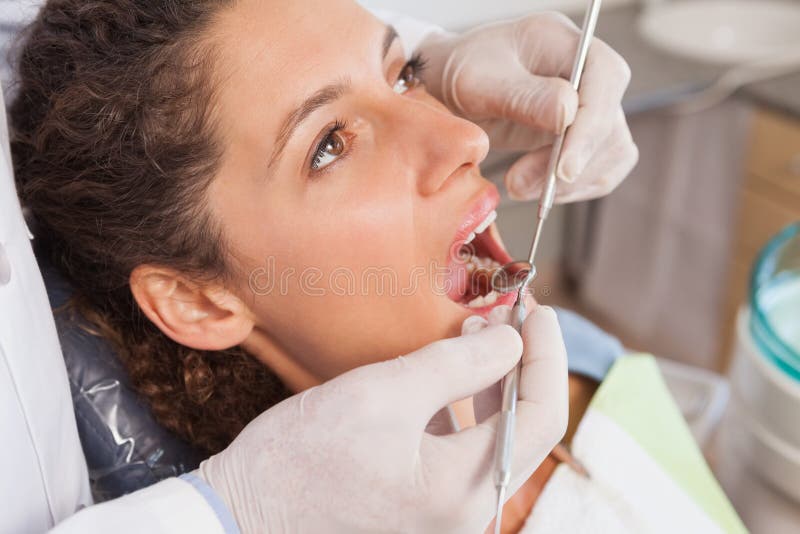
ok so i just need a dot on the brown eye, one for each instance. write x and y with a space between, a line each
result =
335 144
408 79
331 147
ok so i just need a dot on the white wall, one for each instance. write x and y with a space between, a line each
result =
460 14
14 15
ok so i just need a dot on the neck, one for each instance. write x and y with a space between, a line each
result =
297 378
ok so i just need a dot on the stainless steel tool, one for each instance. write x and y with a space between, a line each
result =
517 276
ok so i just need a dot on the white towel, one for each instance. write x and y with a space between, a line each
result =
628 493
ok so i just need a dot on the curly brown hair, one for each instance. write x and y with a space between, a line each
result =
114 148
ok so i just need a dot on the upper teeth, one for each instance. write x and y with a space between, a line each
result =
482 226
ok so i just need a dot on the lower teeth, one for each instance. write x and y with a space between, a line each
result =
481 301
480 272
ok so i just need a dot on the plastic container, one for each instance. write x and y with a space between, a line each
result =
775 301
765 375
700 394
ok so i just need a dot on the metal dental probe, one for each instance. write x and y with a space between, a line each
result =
515 277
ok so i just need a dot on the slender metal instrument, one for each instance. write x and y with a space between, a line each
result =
517 276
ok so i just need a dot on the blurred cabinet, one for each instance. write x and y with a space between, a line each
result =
769 200
652 259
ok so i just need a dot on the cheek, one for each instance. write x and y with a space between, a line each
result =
342 277
340 297
330 334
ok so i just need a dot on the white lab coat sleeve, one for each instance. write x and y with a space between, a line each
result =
183 504
411 31
43 475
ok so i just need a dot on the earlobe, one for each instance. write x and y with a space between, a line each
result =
200 316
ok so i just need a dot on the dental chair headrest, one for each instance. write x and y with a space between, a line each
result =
125 448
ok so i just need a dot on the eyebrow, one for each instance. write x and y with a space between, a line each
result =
320 98
388 39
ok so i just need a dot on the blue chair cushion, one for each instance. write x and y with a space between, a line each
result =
590 351
125 448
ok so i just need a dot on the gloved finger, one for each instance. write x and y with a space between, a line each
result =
605 79
487 402
525 179
547 43
442 423
612 164
508 136
543 407
539 102
608 168
499 315
542 414
439 374
473 324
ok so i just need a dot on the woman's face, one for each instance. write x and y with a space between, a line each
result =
345 191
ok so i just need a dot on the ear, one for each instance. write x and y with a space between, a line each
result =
200 316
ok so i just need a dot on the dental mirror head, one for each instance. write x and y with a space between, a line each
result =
513 276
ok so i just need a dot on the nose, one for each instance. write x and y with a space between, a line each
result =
437 145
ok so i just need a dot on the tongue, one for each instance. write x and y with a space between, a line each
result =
480 283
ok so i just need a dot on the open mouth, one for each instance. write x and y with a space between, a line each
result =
476 254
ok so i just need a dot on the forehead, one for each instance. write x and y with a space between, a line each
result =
274 51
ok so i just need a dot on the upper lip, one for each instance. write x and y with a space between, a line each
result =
488 200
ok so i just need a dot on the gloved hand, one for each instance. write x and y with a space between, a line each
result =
352 455
511 78
487 402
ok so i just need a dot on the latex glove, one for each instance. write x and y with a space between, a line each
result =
487 402
352 455
511 78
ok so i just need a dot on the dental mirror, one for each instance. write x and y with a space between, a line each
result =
513 276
